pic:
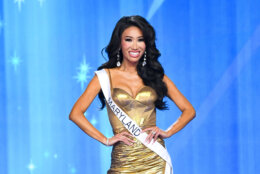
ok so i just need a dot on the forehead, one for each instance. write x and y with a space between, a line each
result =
132 31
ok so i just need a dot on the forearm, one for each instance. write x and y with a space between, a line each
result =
81 121
181 122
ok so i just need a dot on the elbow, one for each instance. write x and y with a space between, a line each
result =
193 113
72 116
190 113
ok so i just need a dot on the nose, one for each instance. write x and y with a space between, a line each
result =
134 46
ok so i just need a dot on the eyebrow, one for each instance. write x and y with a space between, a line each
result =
137 37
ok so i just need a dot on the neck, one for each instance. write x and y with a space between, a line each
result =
128 66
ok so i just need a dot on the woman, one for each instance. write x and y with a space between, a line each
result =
138 86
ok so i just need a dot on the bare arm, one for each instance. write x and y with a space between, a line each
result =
77 112
188 112
77 116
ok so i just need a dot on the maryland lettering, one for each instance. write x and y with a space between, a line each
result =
131 126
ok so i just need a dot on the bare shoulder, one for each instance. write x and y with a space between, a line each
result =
175 95
94 85
167 80
171 87
94 80
87 97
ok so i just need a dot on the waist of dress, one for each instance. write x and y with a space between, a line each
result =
123 129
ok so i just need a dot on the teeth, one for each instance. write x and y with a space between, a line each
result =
134 53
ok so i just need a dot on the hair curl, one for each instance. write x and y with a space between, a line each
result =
152 73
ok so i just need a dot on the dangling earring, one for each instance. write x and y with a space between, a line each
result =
144 62
118 58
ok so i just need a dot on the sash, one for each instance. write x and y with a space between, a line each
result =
130 124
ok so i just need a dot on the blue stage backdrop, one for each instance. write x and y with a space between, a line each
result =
49 50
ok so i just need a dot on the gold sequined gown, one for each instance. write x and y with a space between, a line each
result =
137 158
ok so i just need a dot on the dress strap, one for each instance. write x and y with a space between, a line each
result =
111 86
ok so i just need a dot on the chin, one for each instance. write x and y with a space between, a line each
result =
134 60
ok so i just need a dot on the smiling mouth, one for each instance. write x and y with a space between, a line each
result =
134 53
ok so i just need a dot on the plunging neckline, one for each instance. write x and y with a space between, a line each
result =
133 97
138 91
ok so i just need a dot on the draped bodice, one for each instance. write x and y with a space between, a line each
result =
140 108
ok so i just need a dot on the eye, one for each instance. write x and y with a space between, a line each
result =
128 40
141 39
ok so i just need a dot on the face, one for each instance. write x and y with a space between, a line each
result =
132 44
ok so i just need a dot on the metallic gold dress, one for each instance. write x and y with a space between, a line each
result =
137 158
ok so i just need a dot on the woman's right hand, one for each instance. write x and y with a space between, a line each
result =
123 136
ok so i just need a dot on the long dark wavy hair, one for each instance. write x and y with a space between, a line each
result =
152 73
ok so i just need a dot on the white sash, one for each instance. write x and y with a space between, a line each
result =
130 124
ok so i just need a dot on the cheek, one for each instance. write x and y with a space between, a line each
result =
124 44
143 46
124 48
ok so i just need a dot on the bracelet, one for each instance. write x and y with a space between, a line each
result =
107 141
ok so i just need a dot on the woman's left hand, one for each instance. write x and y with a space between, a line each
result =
154 133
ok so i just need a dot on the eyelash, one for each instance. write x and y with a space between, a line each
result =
129 40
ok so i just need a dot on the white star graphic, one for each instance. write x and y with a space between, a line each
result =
82 75
73 170
93 121
15 61
83 66
55 156
46 154
19 2
31 167
82 78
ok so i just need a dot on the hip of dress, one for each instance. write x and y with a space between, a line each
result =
136 159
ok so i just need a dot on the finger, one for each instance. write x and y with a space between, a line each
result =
146 139
127 142
156 136
153 133
113 140
149 137
128 139
120 135
126 133
123 137
132 141
147 129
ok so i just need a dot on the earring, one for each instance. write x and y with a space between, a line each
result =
144 62
118 58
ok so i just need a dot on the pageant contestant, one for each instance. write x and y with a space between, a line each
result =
132 85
